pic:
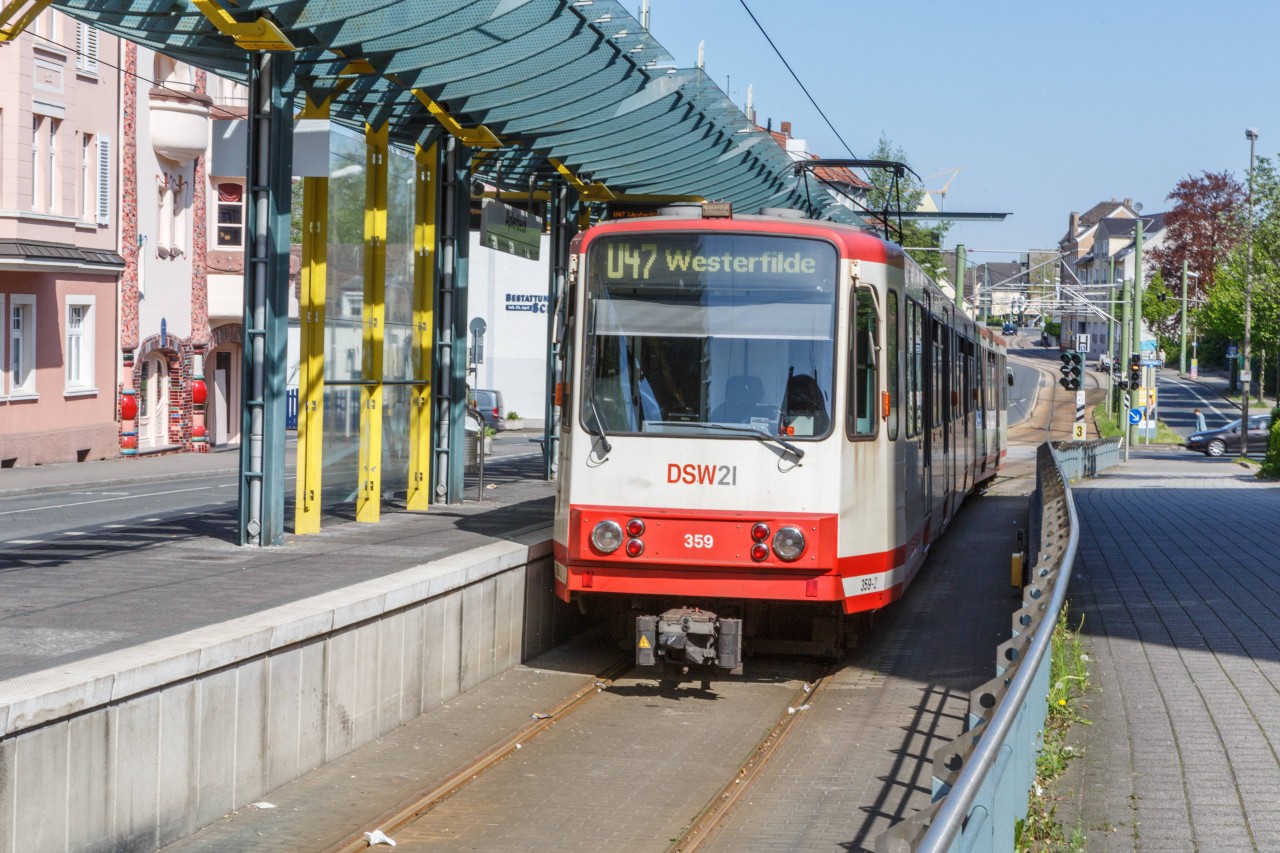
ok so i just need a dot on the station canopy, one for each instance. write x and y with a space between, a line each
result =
577 87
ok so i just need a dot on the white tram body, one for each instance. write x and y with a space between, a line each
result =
763 409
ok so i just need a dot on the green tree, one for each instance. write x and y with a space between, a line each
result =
1270 467
1161 310
925 242
1222 315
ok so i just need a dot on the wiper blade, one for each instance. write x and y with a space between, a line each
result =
760 434
591 403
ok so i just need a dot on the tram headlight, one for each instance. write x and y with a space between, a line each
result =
788 544
607 537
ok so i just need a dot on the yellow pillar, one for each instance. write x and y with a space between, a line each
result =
315 240
369 496
424 287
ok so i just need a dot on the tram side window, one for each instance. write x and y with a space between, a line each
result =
1003 385
864 352
891 356
939 371
915 367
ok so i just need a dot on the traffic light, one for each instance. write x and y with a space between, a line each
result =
1072 369
1135 372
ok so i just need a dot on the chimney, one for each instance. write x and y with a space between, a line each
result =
1074 228
769 124
785 127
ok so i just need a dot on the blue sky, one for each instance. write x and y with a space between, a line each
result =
1046 107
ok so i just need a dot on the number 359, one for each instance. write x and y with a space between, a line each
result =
698 540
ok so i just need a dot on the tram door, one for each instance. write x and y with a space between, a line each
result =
948 411
937 408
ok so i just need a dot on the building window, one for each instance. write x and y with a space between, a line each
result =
80 347
87 185
36 124
230 215
22 345
54 189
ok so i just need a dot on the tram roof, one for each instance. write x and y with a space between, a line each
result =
577 87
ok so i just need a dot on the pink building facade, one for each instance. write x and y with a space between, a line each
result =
59 262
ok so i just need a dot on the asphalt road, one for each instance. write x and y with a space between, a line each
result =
27 519
69 511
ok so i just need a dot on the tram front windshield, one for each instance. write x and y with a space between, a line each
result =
706 334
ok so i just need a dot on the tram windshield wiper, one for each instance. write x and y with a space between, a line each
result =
748 430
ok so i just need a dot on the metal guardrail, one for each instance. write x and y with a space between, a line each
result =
982 779
1086 458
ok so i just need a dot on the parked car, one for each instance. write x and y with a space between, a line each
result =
1102 363
489 402
1216 442
1009 329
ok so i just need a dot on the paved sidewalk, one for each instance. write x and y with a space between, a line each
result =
1176 580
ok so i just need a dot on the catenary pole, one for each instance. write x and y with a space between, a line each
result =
1245 376
1182 358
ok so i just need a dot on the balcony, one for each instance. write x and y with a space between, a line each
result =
179 124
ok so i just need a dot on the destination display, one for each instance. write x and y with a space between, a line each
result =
686 259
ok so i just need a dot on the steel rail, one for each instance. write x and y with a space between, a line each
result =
708 820
420 804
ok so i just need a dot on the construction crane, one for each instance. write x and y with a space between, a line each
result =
927 201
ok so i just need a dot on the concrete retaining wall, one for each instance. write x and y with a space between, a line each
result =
135 749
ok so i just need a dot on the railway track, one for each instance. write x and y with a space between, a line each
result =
420 821
704 826
407 812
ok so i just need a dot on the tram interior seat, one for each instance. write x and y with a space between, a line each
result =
742 400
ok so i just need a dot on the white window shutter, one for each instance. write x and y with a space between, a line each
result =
86 48
104 179
91 50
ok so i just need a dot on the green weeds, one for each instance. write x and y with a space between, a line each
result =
1068 683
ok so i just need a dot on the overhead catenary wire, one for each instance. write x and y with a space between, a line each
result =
796 77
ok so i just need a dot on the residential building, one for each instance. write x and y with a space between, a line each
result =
59 268
843 185
183 244
1097 259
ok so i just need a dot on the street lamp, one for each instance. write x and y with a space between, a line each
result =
1250 134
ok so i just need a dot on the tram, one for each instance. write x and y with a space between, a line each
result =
765 420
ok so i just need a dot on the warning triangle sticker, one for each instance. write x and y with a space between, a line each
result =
644 642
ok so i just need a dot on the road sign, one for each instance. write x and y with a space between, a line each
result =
1135 416
1126 401
1082 343
1232 352
1077 432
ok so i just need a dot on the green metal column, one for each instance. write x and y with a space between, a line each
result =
449 432
266 300
564 225
1126 309
959 283
1137 287
1182 355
